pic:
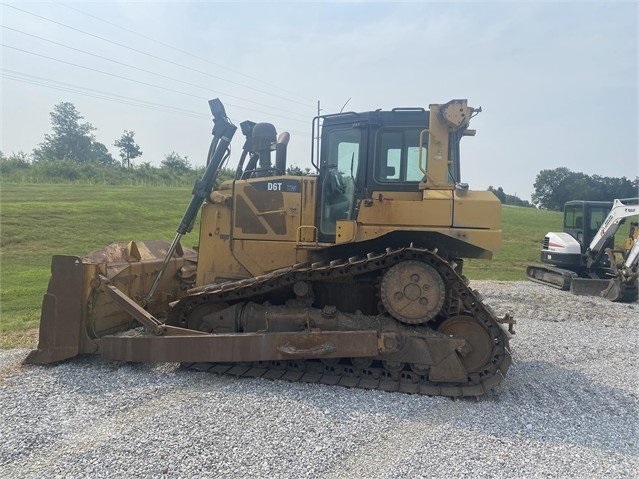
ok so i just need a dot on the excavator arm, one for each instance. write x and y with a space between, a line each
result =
622 282
621 209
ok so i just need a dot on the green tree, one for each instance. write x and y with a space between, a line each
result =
554 187
129 150
224 175
507 199
175 163
516 201
550 188
71 139
14 162
295 170
499 193
100 155
617 187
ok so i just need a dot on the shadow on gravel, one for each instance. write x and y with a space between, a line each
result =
538 401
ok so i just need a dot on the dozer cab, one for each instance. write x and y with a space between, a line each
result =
350 277
583 258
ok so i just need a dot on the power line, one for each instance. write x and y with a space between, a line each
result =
173 47
144 70
101 97
155 56
68 87
139 81
46 82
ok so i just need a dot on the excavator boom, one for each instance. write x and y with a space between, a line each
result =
621 209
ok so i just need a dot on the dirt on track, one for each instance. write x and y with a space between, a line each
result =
567 408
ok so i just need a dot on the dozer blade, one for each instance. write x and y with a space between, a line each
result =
62 312
75 312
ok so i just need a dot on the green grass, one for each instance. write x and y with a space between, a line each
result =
38 221
523 230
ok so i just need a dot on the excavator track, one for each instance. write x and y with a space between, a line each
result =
461 302
624 291
551 276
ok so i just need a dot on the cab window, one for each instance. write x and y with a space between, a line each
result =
574 217
397 155
597 217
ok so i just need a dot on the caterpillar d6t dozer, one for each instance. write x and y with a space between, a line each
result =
350 277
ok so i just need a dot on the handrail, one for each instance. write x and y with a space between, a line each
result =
421 146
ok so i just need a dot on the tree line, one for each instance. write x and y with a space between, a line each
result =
71 153
555 187
507 199
73 140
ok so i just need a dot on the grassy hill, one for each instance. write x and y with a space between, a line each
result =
37 221
523 230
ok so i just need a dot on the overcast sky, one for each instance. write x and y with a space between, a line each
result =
557 81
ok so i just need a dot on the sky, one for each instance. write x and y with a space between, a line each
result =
557 81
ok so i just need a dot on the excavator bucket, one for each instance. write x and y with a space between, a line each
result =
607 288
615 289
75 311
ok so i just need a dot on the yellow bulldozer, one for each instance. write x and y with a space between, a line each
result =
351 276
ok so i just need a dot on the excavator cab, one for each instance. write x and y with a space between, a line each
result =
582 220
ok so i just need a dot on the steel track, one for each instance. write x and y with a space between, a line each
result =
460 300
629 289
566 276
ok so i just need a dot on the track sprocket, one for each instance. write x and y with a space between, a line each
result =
413 292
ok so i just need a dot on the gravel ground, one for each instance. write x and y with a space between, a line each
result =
568 408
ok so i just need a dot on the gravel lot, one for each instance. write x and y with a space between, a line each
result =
568 408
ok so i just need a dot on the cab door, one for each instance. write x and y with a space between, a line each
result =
340 165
